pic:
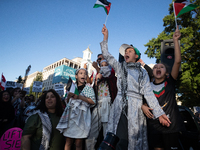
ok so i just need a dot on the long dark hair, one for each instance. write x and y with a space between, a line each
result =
1 96
42 107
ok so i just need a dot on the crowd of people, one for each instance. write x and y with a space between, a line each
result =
128 98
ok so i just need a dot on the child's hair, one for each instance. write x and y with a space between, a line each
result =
77 74
167 67
104 61
81 69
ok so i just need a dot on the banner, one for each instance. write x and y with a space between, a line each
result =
11 139
37 86
12 84
62 73
59 88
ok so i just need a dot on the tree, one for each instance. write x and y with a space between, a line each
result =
188 85
37 78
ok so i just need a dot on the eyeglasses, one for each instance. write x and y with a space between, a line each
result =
99 58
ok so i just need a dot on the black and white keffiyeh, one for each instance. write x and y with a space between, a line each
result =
125 66
46 129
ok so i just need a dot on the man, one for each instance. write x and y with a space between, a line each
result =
96 65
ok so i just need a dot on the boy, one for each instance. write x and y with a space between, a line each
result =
126 118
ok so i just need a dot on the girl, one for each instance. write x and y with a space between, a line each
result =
107 90
164 89
75 122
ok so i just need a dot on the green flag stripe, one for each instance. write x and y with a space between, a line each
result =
97 5
187 9
76 91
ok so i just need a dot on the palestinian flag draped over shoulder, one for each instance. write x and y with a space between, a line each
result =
71 87
103 3
183 6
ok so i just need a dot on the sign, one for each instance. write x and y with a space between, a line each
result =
62 73
12 84
11 139
59 88
37 86
19 85
27 89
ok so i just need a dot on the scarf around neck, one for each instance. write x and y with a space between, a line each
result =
46 129
125 66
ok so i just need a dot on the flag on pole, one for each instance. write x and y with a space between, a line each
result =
71 87
183 6
103 3
3 82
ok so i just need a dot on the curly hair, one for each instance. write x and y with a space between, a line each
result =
42 107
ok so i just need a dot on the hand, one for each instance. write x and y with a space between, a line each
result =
164 120
70 95
76 96
18 95
99 76
105 33
146 111
94 64
141 61
85 66
177 34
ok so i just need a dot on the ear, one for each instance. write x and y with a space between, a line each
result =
136 56
76 76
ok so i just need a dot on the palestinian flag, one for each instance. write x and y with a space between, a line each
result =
71 87
103 3
3 82
183 6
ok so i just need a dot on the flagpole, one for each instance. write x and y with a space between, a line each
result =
175 16
106 19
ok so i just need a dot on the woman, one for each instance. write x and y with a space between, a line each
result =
40 129
7 112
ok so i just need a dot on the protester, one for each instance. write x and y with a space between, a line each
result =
75 122
96 65
164 89
40 129
17 100
126 118
107 90
7 111
32 99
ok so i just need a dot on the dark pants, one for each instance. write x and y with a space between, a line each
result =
122 133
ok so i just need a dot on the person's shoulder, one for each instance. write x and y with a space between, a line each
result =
34 116
88 85
144 71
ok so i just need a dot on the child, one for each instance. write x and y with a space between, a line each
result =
107 90
126 118
75 122
164 89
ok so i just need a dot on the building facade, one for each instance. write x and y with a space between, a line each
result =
76 63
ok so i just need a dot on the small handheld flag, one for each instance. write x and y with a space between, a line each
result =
71 87
3 82
103 3
181 7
